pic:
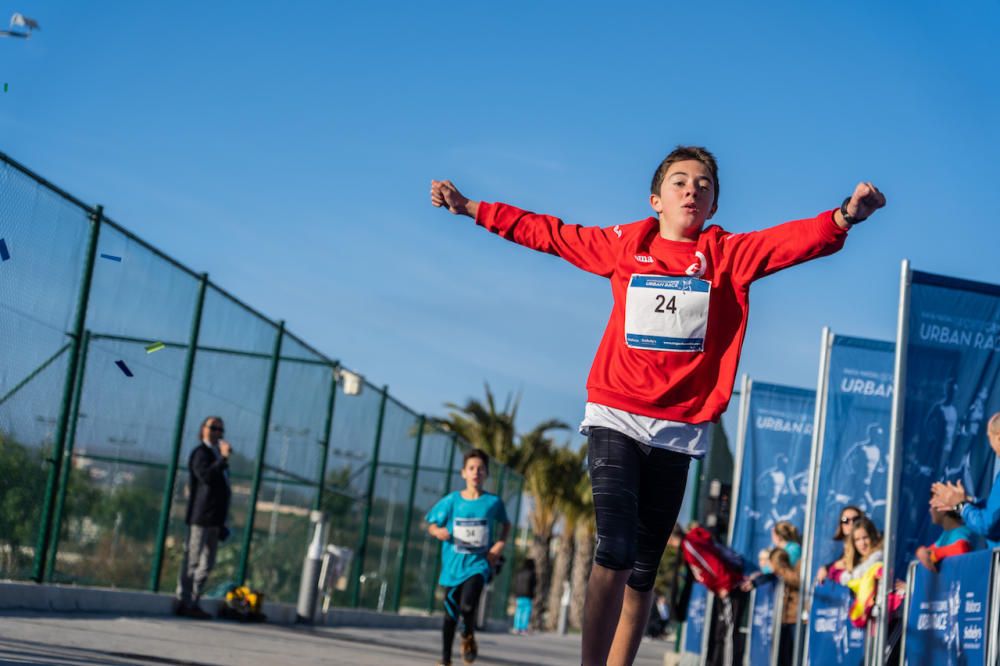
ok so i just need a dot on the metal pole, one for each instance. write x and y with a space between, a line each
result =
512 549
59 443
501 480
359 559
447 488
741 433
407 520
707 628
182 406
64 470
993 626
265 427
895 453
777 613
815 459
696 489
327 427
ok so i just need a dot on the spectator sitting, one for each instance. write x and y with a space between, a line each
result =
849 516
982 518
956 539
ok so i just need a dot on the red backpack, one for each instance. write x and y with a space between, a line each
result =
715 566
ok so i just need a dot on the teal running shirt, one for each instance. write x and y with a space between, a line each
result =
471 524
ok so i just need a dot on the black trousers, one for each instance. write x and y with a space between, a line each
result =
727 618
460 602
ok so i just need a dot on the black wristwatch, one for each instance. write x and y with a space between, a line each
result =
850 219
959 507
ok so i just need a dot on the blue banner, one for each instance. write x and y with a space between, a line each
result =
762 623
695 632
855 458
952 381
948 612
833 640
775 474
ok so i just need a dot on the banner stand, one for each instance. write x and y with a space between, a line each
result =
993 646
706 632
906 610
751 603
777 613
815 456
895 455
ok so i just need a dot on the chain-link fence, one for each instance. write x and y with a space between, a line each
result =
112 355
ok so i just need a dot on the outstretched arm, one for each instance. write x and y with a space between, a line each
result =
589 248
756 254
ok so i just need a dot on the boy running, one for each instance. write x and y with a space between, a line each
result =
667 362
464 521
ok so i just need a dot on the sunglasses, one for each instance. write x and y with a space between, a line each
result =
849 519
216 429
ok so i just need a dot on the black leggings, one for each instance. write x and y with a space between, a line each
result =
460 601
638 492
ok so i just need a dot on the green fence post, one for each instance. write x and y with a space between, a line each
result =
431 600
359 559
59 443
327 427
509 568
265 427
64 469
182 406
407 521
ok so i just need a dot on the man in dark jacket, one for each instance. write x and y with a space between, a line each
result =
208 504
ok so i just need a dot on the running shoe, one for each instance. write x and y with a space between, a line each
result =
470 650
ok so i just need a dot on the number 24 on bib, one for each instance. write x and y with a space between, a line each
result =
665 313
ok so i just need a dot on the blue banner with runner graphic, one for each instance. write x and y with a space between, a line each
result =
855 453
948 612
762 623
775 467
833 640
952 381
694 634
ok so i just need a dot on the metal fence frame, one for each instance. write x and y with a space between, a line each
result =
59 463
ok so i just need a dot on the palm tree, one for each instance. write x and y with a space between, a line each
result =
568 501
583 549
485 427
542 483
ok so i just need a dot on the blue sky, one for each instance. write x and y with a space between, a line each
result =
287 149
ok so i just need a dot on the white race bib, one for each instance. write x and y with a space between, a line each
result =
666 313
471 535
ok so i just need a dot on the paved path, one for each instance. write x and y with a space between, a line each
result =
90 640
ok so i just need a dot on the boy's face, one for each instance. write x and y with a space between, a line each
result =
686 197
474 473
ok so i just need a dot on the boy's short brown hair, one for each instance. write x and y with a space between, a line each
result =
681 153
476 453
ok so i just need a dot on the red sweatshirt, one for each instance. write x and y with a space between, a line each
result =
672 343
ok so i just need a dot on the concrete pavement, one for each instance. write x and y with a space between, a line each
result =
88 639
